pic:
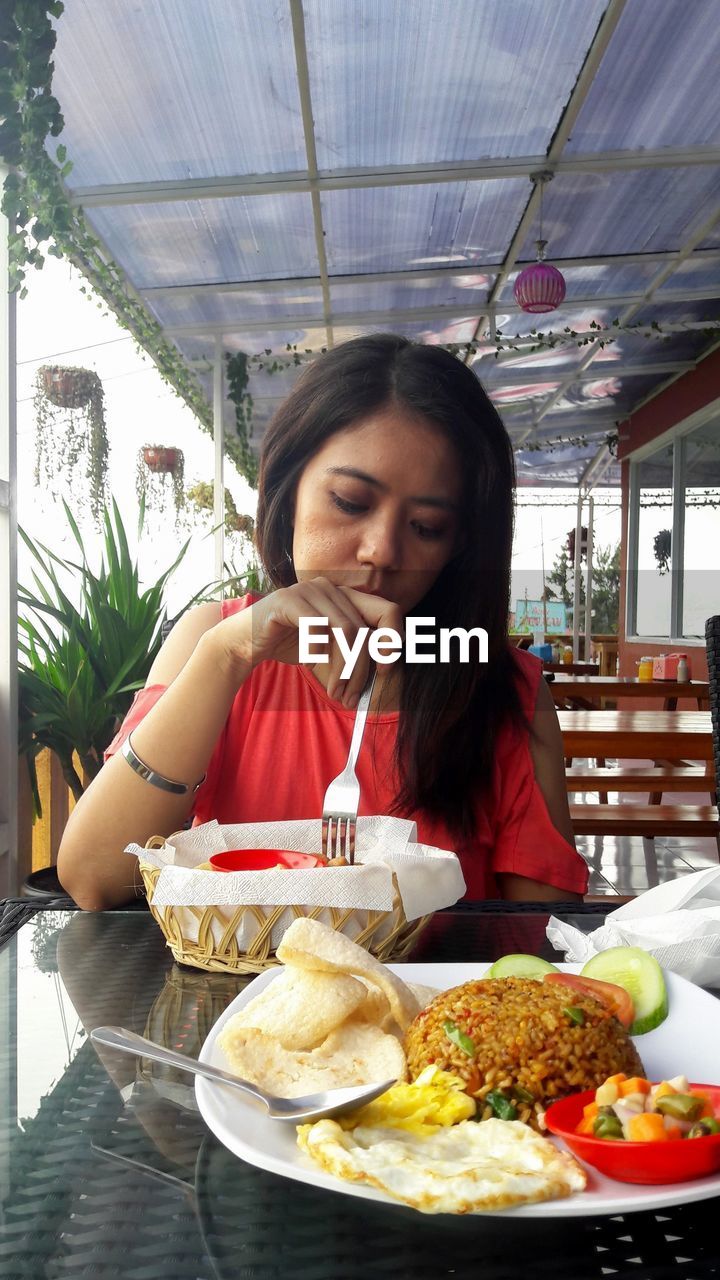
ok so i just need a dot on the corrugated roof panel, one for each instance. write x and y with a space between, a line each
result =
556 362
396 228
468 292
211 241
652 88
236 309
279 342
679 312
175 89
530 392
587 214
694 273
432 81
594 427
453 331
605 394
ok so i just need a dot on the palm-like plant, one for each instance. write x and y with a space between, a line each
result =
81 664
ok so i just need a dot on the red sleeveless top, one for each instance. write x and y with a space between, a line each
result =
285 739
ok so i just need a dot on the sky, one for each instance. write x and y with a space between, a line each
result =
58 324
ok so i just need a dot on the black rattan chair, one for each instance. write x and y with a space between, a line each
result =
712 639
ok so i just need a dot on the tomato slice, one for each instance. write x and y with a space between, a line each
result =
615 998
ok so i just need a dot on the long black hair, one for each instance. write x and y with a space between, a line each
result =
450 714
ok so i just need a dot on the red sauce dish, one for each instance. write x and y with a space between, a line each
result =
263 860
650 1163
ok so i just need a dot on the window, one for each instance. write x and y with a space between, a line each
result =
701 543
674 536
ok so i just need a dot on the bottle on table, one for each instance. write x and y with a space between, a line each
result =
645 669
683 671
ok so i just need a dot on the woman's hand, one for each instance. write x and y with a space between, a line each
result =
270 630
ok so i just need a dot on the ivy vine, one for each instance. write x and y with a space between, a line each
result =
238 377
552 445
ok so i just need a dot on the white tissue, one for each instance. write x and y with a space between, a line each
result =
677 922
427 878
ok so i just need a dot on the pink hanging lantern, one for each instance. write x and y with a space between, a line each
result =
540 287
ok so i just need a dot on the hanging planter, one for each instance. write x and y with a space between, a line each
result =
662 547
71 444
160 474
162 459
66 387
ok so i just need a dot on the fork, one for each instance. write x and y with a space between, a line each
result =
340 806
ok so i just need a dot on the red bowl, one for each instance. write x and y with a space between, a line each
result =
645 1162
262 859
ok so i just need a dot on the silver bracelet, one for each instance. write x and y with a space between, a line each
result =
156 779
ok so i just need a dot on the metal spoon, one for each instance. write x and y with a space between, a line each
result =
331 1102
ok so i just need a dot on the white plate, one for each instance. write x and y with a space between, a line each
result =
687 1043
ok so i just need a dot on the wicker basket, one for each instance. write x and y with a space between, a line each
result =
385 934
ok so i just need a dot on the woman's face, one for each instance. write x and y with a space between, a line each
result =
378 507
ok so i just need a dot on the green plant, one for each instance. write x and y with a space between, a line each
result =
71 444
80 664
240 582
605 586
238 378
202 496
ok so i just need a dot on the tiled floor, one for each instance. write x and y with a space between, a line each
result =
628 865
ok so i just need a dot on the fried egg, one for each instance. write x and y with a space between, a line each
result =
465 1168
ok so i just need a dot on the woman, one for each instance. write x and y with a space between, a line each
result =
386 490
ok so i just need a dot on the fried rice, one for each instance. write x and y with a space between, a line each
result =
529 1041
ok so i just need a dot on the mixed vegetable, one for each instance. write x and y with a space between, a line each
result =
634 1110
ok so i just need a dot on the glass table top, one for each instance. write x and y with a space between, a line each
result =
107 1169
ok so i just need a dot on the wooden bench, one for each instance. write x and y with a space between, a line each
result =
654 779
645 820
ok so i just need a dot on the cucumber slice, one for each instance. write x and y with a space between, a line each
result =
641 976
521 966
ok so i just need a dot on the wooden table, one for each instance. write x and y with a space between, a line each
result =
637 735
584 690
572 668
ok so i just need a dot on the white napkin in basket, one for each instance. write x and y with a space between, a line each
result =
427 878
677 922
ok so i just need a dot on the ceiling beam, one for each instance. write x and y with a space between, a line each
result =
301 180
581 88
450 313
436 275
303 79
